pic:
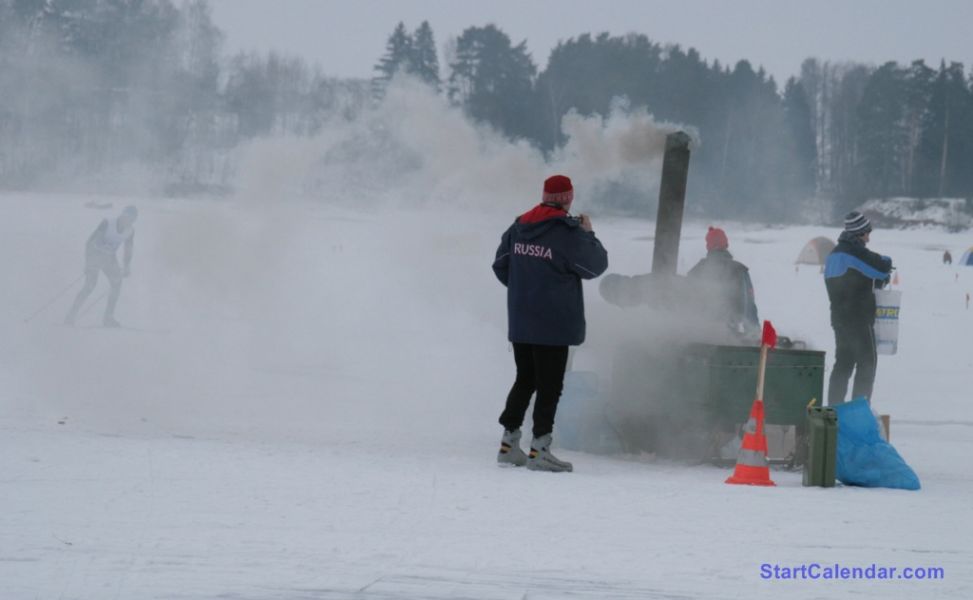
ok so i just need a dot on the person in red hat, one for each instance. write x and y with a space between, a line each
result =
726 289
542 259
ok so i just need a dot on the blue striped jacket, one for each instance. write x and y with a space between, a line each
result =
851 273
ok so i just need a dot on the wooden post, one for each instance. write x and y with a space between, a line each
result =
761 372
768 340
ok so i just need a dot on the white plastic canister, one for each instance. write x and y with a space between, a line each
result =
887 303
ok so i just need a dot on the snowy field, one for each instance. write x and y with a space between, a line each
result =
302 404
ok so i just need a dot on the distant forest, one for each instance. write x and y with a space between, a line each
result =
88 85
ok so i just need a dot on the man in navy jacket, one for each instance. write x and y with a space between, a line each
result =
851 274
542 259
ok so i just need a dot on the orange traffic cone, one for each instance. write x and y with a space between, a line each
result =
895 278
752 467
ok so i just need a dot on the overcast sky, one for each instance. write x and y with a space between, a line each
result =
347 37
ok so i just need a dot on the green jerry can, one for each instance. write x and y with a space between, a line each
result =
822 446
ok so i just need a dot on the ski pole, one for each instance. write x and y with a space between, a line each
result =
92 304
53 300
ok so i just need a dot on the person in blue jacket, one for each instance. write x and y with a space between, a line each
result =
542 259
851 274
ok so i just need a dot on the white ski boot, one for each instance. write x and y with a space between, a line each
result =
510 452
541 459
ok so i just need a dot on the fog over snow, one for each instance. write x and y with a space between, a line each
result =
377 220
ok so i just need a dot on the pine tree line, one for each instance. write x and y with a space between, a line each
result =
89 86
839 133
92 84
413 54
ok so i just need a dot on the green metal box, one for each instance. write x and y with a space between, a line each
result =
822 447
724 379
687 400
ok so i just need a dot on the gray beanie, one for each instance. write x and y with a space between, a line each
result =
856 223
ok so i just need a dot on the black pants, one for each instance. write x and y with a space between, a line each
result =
539 369
854 351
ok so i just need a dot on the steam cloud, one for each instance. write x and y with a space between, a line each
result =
415 149
343 291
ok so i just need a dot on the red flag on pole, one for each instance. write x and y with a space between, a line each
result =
769 338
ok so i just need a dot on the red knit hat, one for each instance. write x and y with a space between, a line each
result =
716 239
558 190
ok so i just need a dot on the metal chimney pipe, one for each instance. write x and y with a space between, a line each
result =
672 200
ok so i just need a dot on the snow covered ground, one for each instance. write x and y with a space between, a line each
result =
303 405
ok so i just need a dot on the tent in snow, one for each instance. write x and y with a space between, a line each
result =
967 259
816 251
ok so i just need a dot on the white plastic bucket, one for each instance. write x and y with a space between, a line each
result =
887 303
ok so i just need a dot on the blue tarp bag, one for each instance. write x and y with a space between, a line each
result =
864 458
581 423
579 394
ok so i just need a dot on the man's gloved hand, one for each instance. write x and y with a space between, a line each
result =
585 221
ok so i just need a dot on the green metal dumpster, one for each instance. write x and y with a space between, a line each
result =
724 379
686 401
